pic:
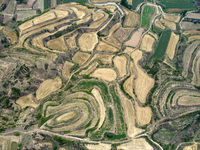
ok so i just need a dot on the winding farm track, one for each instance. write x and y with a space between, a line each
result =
87 140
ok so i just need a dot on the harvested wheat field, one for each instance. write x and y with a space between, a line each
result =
90 68
11 35
131 19
80 14
99 146
71 41
47 87
168 24
102 108
143 83
159 24
45 17
136 144
191 147
193 38
102 46
143 115
25 101
105 59
135 38
66 116
172 17
80 58
106 74
58 44
188 32
171 48
147 43
129 112
128 84
97 16
66 69
87 41
120 63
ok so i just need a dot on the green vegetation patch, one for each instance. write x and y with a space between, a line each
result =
162 46
88 85
120 124
164 136
147 15
47 4
177 4
68 1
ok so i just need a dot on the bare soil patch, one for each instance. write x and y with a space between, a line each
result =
122 33
135 38
99 146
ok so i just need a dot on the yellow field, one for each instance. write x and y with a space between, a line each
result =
128 84
58 44
171 48
66 116
87 41
47 87
159 24
90 69
71 42
100 146
102 46
107 74
129 113
131 19
191 147
136 144
143 115
172 17
193 38
80 14
99 22
45 17
80 57
147 43
143 83
168 24
97 16
11 35
103 58
120 63
102 108
191 32
66 69
25 101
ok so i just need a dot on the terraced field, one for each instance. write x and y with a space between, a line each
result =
100 76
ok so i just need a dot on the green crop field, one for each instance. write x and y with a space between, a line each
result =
47 4
162 46
177 4
68 1
148 12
